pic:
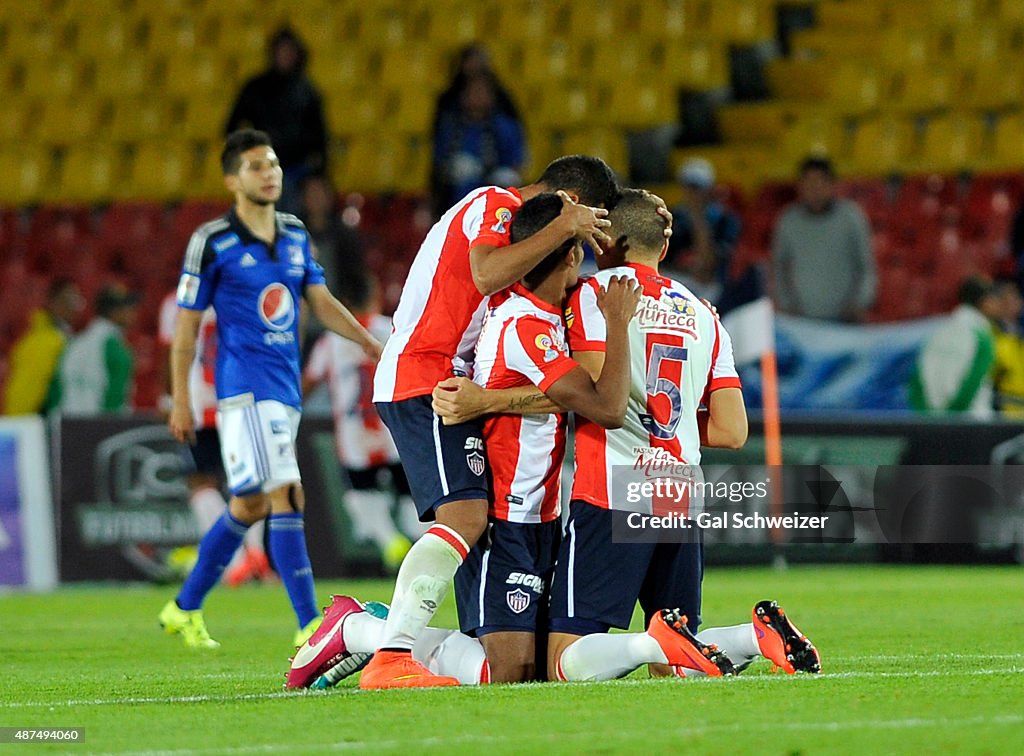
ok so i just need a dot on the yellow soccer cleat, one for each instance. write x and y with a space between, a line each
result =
189 625
303 634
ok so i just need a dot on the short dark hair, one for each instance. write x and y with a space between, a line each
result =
817 163
636 223
238 142
973 290
58 286
590 178
534 215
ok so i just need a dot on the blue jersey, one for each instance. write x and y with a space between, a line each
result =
254 287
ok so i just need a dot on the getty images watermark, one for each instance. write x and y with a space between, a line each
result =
662 500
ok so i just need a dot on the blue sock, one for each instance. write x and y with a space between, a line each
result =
288 545
215 552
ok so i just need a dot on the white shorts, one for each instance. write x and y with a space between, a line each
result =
257 443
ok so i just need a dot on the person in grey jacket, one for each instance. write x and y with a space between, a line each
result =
822 258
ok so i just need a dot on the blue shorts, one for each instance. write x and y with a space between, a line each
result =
443 463
597 582
503 584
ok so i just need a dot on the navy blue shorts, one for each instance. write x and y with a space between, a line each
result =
597 583
204 455
503 584
443 463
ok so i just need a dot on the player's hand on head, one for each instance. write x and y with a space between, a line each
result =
458 400
586 223
619 299
181 425
665 213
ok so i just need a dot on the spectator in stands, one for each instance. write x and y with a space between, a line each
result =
283 102
339 248
98 368
823 263
473 60
35 356
704 235
953 372
476 144
1008 371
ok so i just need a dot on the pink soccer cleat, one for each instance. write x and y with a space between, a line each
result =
326 647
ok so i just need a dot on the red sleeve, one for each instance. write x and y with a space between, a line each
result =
495 225
533 347
585 322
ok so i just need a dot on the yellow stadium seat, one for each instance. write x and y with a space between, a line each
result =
952 143
57 76
669 20
976 44
15 117
696 63
66 121
527 20
339 70
33 38
550 62
755 121
641 105
598 20
454 24
607 144
416 65
103 35
415 177
740 21
559 107
357 111
814 133
865 16
161 171
177 35
128 76
925 88
1008 143
411 111
203 118
882 146
542 147
623 63
209 183
90 173
135 120
993 86
196 72
373 164
27 172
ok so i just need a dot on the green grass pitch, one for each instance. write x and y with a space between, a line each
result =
915 660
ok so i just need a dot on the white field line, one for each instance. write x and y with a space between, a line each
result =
564 739
270 695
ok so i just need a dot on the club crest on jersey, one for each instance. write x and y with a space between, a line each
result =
295 255
570 317
671 313
476 463
504 217
518 600
276 307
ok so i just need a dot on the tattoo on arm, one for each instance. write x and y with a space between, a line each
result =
522 402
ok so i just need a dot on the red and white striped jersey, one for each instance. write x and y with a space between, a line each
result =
361 439
440 311
201 387
522 342
679 354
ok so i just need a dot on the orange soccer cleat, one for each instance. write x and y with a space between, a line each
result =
780 641
397 669
682 648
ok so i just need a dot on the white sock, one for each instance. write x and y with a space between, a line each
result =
409 519
738 642
443 652
207 506
607 656
421 585
371 517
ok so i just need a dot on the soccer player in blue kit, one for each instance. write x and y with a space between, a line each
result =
252 265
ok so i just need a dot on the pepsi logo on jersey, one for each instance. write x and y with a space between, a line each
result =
276 307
